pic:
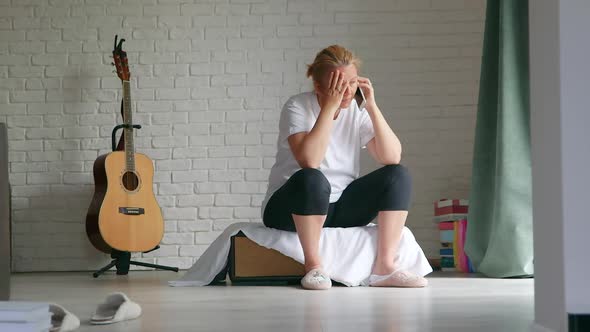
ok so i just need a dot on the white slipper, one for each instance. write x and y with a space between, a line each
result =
116 308
62 320
399 278
316 279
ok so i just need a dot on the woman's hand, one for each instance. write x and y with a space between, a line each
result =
332 96
367 87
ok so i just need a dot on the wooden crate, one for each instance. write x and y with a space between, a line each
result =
251 262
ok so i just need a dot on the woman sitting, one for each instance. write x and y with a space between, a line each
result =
315 181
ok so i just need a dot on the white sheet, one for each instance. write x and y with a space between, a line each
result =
347 253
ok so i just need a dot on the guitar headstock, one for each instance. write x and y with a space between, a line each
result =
120 60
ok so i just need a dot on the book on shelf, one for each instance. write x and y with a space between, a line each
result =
447 236
449 217
446 210
451 206
446 226
446 252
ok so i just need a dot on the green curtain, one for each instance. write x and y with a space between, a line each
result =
499 238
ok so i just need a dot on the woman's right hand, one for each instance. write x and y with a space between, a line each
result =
334 93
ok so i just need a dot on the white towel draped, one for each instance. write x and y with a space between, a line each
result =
347 253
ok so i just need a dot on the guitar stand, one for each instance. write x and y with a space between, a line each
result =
122 259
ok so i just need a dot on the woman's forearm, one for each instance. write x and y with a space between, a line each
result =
315 144
388 147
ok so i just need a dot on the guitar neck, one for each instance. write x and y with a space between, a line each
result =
128 120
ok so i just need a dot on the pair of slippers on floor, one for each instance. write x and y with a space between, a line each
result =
116 308
317 279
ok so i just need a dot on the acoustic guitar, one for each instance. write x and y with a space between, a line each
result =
124 214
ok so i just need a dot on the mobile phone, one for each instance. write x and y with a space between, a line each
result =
360 98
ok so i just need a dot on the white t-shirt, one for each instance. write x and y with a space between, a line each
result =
351 131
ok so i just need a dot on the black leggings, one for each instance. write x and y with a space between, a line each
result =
307 192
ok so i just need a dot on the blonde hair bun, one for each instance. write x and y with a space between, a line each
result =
331 57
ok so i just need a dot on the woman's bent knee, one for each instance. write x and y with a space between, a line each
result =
398 173
310 191
311 180
398 189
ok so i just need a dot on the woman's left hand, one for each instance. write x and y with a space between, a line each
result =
367 87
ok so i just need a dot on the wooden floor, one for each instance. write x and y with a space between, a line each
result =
450 303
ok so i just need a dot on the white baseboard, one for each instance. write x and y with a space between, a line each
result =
539 328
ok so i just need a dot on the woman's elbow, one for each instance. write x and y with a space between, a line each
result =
307 163
302 165
395 159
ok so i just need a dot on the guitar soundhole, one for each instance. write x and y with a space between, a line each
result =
130 181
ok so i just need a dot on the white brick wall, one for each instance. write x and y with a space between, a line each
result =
208 83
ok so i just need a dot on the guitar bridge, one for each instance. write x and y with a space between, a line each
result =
131 210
